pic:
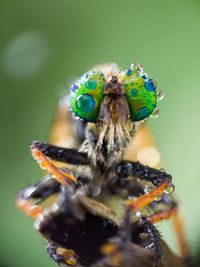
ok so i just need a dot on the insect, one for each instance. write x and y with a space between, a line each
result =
109 106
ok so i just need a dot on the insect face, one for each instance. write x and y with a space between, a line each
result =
115 102
95 88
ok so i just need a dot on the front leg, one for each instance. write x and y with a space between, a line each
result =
48 186
162 182
38 152
158 178
127 168
67 155
61 255
30 198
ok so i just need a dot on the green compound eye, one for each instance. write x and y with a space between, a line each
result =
87 94
141 94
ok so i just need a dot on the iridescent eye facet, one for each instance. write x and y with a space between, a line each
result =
87 94
140 94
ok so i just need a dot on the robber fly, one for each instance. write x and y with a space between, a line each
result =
108 106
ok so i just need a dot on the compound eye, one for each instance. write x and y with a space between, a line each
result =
86 95
140 94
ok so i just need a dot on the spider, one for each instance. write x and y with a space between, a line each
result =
109 106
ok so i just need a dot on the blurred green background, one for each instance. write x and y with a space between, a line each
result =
45 44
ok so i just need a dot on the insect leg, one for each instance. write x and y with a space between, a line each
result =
128 168
153 237
29 198
147 198
67 155
143 226
29 208
164 214
24 203
181 237
63 177
160 179
130 247
61 255
51 250
178 225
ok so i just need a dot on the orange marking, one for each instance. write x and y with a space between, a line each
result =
69 254
147 198
114 252
116 259
165 214
30 209
63 178
108 248
182 242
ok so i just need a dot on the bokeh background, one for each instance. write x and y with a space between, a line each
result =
45 44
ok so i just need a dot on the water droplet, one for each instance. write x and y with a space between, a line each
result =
169 189
155 113
96 191
85 103
129 72
154 83
159 95
136 67
144 75
137 214
148 189
162 170
158 198
150 85
91 84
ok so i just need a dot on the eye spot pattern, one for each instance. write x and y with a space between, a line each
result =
74 87
86 95
91 84
85 103
140 94
144 111
134 93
